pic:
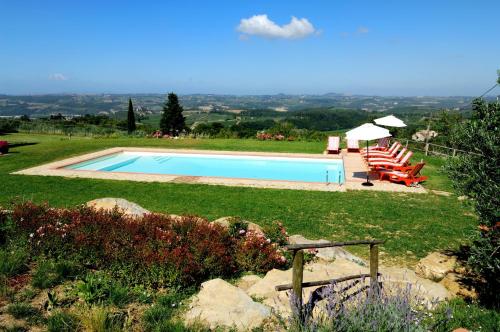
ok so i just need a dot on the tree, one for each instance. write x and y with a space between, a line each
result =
476 175
172 121
130 117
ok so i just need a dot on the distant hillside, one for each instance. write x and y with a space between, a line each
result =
110 104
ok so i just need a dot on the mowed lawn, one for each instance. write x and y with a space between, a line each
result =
412 224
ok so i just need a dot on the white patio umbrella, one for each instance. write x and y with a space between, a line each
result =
390 121
367 132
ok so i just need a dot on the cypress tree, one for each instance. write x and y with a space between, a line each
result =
172 121
130 117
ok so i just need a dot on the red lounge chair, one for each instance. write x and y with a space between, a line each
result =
391 153
382 145
393 165
396 159
410 175
352 145
333 144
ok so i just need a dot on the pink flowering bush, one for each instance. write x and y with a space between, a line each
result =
157 249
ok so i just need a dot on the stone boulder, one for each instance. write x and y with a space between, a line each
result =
221 304
435 266
453 282
248 281
226 221
109 203
327 254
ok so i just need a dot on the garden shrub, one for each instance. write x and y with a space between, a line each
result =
276 232
13 260
376 309
50 273
237 227
62 321
25 311
100 288
156 250
457 313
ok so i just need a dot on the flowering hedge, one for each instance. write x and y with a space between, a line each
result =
156 249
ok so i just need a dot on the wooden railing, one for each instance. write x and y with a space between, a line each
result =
298 265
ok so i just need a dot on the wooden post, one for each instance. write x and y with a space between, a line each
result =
426 149
373 264
298 273
454 152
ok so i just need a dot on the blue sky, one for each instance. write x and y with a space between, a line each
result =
362 47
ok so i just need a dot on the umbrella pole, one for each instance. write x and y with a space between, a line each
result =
367 183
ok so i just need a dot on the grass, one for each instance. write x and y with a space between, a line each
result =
412 224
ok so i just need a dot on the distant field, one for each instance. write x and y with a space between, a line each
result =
412 224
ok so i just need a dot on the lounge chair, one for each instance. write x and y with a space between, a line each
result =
409 175
382 145
390 153
333 144
352 145
395 159
392 165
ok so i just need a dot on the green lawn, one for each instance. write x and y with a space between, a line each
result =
412 224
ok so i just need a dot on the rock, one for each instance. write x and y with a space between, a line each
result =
255 228
430 291
221 304
224 221
462 198
110 203
327 254
435 266
454 285
248 281
265 288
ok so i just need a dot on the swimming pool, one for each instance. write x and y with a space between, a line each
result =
218 165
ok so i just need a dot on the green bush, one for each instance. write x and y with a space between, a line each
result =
50 273
100 288
62 321
25 311
13 260
457 313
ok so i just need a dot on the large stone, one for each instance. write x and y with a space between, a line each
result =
327 254
248 281
221 304
454 284
280 301
435 266
109 203
226 221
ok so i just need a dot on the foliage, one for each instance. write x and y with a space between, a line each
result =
172 121
62 321
258 254
100 288
476 175
237 227
158 250
459 314
100 319
160 316
130 117
50 273
277 233
26 311
4 147
9 125
375 309
13 259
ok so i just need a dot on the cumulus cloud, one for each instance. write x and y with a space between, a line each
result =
57 77
261 25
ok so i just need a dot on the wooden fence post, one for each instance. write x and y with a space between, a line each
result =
298 273
426 149
373 264
454 152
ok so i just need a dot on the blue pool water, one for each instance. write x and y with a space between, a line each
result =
229 166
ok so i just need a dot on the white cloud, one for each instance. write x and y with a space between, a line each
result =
261 25
362 30
57 77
